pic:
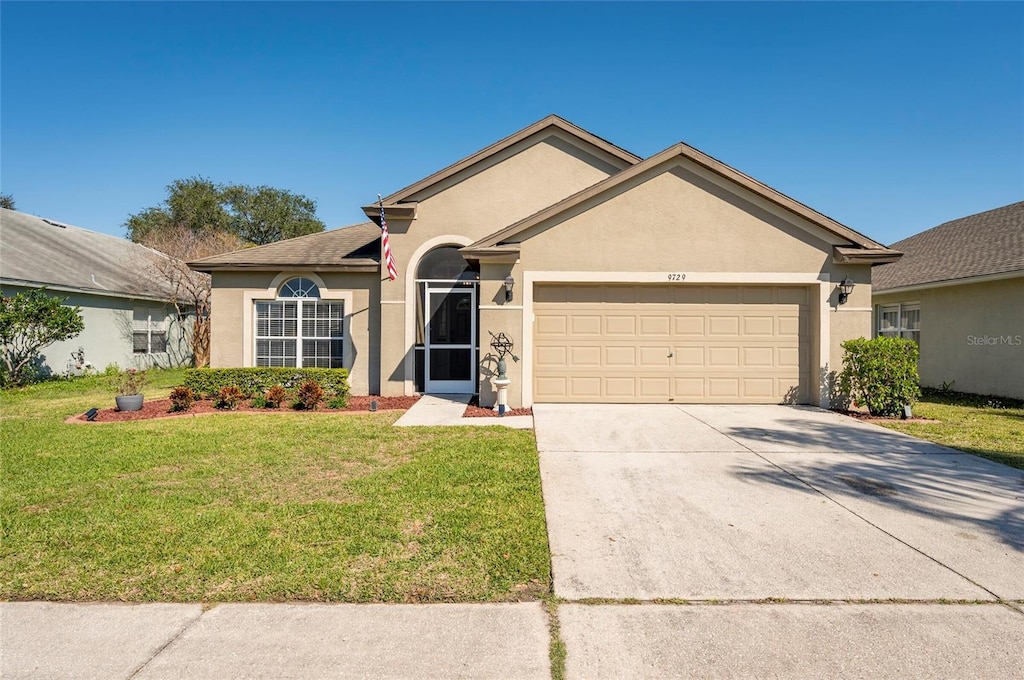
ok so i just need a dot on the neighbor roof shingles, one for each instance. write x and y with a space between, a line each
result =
355 246
988 243
39 252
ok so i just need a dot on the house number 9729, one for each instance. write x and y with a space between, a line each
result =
677 277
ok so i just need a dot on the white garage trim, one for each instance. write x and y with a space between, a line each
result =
823 281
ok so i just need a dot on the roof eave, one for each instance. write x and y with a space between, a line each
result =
872 256
361 266
400 211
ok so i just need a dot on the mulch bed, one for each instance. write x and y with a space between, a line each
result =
160 408
868 418
474 410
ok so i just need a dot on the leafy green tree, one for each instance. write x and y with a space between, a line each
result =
29 322
264 214
257 215
7 201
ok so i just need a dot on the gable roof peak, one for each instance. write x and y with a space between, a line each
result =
620 155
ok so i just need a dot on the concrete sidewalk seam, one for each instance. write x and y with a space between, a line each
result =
167 644
875 526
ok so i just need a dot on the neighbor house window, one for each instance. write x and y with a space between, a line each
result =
299 329
900 321
149 330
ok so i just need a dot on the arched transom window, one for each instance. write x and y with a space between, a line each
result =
298 329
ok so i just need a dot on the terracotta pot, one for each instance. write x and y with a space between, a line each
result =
132 402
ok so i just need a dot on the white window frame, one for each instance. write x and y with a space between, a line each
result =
303 297
149 326
901 329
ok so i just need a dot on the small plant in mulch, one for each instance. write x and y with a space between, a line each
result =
339 401
228 398
274 396
182 398
308 396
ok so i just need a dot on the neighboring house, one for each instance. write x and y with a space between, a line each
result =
124 304
958 292
619 279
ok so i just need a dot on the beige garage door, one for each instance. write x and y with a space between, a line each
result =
675 343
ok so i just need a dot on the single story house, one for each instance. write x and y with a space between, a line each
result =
128 320
674 278
959 292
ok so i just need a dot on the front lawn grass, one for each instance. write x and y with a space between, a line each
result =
240 507
992 427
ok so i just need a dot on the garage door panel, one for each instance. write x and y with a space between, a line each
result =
620 325
655 325
724 325
644 343
552 324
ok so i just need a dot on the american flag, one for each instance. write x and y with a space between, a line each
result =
385 244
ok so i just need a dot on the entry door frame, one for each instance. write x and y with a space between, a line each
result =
468 386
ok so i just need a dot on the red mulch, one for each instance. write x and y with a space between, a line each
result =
868 418
474 410
160 408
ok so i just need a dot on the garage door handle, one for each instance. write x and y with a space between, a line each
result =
670 355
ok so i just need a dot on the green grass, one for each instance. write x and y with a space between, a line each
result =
992 427
250 507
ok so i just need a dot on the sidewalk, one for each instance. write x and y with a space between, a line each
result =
447 409
308 641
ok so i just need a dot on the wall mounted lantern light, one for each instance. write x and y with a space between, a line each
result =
845 288
509 282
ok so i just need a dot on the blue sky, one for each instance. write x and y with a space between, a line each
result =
889 117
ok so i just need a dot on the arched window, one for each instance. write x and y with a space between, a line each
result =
298 329
445 264
299 288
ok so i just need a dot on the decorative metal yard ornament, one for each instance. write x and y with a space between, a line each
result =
502 345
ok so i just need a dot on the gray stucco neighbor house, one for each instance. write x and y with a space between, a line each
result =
128 320
959 292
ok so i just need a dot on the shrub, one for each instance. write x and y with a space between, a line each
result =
274 396
29 322
338 402
228 397
309 395
182 398
880 374
130 382
259 401
253 381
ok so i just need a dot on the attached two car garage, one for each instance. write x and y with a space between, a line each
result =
681 343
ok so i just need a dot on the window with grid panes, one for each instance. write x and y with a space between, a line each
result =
900 321
149 330
299 329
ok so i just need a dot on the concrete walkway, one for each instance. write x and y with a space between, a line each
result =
803 543
275 641
447 409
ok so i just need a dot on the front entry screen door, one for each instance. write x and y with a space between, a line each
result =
450 340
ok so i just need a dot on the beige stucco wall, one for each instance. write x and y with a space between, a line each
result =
681 219
231 323
511 186
971 335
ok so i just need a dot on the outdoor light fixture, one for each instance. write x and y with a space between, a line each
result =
509 282
90 415
845 288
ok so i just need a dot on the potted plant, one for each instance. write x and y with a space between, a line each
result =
129 386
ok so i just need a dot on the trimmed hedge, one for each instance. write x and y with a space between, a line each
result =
881 374
252 381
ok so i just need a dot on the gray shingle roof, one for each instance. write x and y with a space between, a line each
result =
355 247
991 242
39 252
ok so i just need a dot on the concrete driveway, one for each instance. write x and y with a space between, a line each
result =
760 505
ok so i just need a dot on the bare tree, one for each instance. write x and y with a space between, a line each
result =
189 291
